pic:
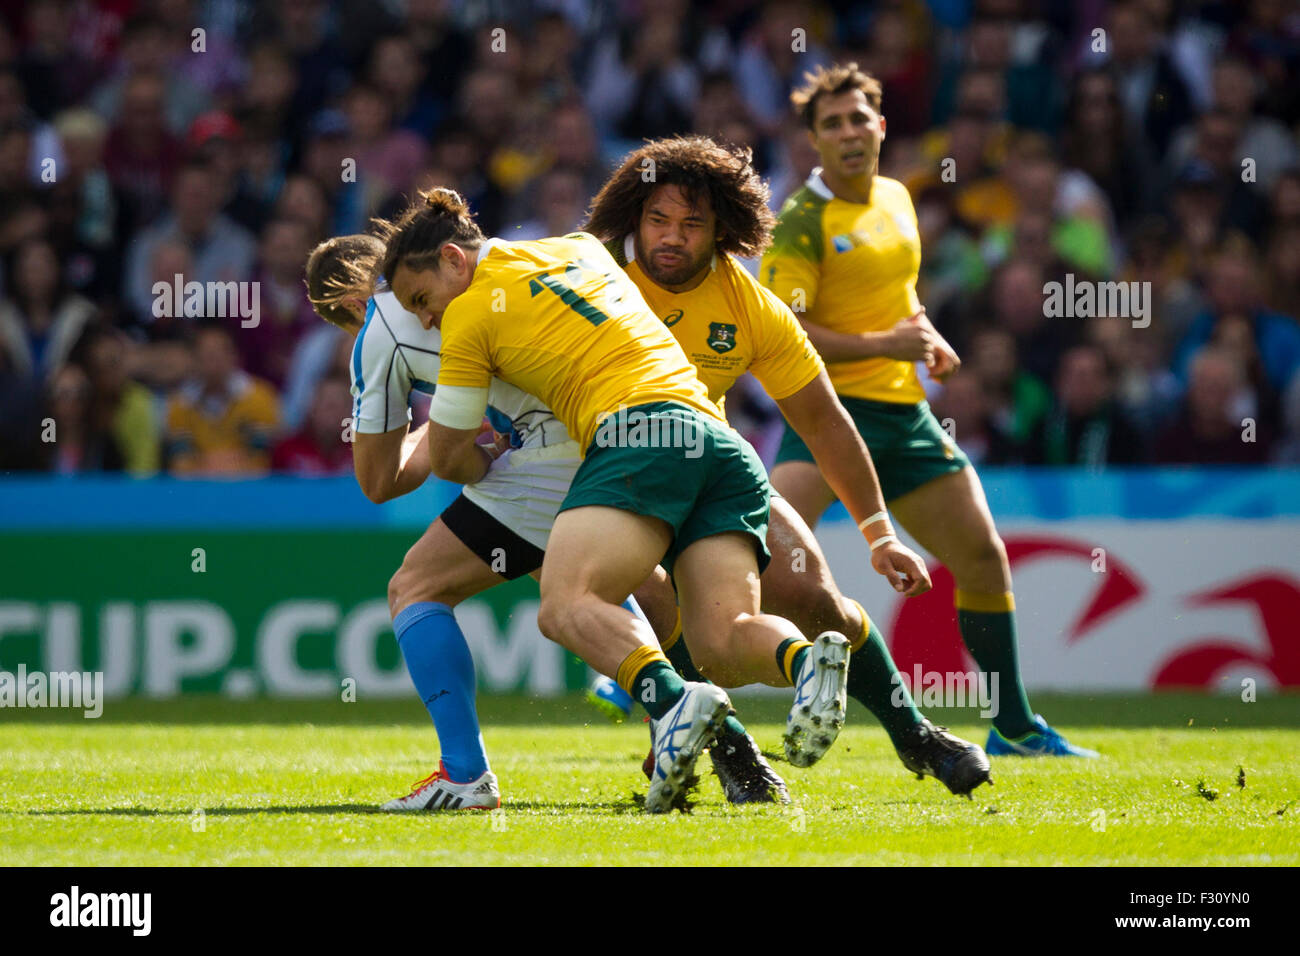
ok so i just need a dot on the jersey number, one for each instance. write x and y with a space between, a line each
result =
612 286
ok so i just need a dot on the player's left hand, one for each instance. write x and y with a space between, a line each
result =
903 568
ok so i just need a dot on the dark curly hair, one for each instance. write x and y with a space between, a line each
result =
702 169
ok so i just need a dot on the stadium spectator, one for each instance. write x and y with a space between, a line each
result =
1214 155
223 421
1099 142
146 51
1085 425
1022 90
222 251
1235 289
1154 94
217 140
767 65
52 70
304 199
1214 425
120 406
1145 389
561 203
1015 400
286 316
328 147
641 83
80 443
962 407
319 447
141 155
1015 302
325 350
396 71
1079 229
1266 142
266 100
83 135
21 410
40 319
14 112
390 156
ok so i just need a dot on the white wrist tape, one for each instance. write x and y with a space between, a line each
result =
884 540
878 516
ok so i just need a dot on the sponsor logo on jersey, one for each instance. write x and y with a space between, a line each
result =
673 317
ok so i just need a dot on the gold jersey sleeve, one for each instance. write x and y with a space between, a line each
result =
559 319
729 325
852 268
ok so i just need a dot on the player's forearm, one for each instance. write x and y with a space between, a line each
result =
845 346
455 455
846 464
415 465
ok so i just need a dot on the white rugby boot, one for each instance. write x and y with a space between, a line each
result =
820 700
679 739
439 792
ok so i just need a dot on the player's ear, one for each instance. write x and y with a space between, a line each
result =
882 126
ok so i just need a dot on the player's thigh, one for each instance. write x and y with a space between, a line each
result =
801 483
797 584
439 567
717 581
606 552
949 517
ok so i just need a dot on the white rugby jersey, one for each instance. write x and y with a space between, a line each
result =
394 354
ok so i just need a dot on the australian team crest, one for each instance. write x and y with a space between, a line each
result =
722 337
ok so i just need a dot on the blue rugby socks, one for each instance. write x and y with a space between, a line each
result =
438 660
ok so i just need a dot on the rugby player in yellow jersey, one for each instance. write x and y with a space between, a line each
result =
663 478
676 237
845 257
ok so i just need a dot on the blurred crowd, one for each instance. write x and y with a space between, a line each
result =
1149 141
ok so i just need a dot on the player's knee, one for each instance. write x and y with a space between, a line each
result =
412 584
554 616
986 561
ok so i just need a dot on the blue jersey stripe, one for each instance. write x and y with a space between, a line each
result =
356 349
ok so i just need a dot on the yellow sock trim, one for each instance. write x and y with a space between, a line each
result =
676 635
636 662
856 643
987 603
787 664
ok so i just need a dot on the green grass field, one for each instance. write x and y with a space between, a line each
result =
295 784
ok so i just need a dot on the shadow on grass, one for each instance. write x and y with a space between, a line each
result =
556 807
1170 709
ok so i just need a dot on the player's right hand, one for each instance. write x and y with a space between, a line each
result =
903 568
911 342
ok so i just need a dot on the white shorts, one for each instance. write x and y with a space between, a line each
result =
525 487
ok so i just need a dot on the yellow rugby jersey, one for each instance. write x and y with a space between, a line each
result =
728 325
851 268
559 319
